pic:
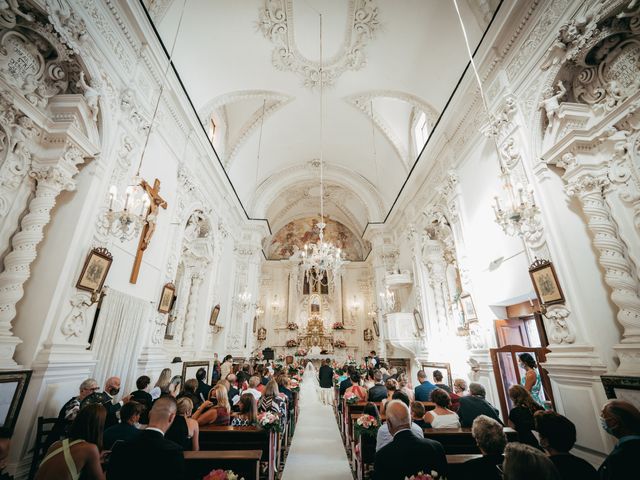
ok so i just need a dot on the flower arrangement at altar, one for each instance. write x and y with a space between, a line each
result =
220 474
338 326
424 476
339 344
351 398
292 343
281 357
367 425
301 352
292 326
269 421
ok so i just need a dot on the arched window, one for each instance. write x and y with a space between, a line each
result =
420 132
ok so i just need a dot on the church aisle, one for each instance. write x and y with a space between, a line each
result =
317 451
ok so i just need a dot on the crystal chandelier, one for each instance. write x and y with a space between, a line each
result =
321 262
244 301
517 213
388 299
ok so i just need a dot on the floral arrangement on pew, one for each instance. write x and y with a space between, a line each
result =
340 344
292 343
294 385
424 476
292 326
367 425
269 421
338 326
220 474
351 398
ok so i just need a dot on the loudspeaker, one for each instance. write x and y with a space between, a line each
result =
268 353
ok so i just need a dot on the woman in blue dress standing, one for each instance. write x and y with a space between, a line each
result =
531 381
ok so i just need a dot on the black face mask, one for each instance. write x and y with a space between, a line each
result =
114 391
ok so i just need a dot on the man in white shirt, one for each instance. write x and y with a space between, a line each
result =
384 436
253 385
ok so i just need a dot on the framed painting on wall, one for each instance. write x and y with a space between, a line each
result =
545 282
622 387
468 309
189 369
376 327
95 270
166 299
13 387
213 319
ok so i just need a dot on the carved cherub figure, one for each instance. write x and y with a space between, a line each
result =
91 95
551 102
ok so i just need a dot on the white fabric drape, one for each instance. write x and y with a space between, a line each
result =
119 338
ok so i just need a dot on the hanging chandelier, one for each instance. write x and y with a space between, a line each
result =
388 299
129 210
321 262
517 213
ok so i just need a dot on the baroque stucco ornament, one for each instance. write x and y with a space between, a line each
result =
276 23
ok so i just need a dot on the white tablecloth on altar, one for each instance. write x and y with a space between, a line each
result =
318 356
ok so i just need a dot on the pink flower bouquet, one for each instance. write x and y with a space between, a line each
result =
220 474
423 476
351 398
269 421
367 425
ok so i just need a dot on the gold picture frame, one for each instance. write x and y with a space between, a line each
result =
95 269
468 308
167 298
213 318
545 282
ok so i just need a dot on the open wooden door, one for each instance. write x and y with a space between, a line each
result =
507 372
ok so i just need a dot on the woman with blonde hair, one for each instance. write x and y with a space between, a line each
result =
162 385
216 410
521 415
184 430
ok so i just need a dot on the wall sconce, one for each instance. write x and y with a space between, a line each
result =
355 306
275 305
259 311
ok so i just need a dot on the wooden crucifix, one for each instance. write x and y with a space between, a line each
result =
150 224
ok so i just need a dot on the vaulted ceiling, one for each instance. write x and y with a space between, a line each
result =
251 67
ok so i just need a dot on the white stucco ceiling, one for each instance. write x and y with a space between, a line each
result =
392 58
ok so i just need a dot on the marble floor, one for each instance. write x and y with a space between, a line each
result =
316 451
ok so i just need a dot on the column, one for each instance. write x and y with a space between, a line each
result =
192 311
50 180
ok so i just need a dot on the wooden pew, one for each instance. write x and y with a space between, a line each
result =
460 440
245 463
214 438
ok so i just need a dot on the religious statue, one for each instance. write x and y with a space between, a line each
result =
551 103
91 96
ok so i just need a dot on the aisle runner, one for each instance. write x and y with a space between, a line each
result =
317 451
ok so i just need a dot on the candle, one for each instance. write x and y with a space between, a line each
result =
113 191
497 200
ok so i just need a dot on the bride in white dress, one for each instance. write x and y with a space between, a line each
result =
310 382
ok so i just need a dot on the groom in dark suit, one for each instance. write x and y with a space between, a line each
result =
407 454
150 455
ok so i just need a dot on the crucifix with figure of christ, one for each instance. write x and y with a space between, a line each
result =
150 224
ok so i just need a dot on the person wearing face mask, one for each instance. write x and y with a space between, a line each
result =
621 420
107 399
557 437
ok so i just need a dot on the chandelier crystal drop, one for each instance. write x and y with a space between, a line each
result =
517 213
127 213
320 262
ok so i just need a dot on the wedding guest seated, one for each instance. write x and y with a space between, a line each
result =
385 373
244 375
384 436
441 416
523 462
125 430
474 405
521 415
407 454
203 388
253 387
184 430
378 392
143 397
107 399
417 415
233 389
248 411
150 455
216 410
80 453
175 385
459 387
371 409
70 410
162 385
392 386
283 387
423 391
491 440
190 391
272 402
226 367
259 372
369 381
622 420
557 437
437 377
404 386
356 388
346 383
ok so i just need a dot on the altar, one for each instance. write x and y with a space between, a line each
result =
314 338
